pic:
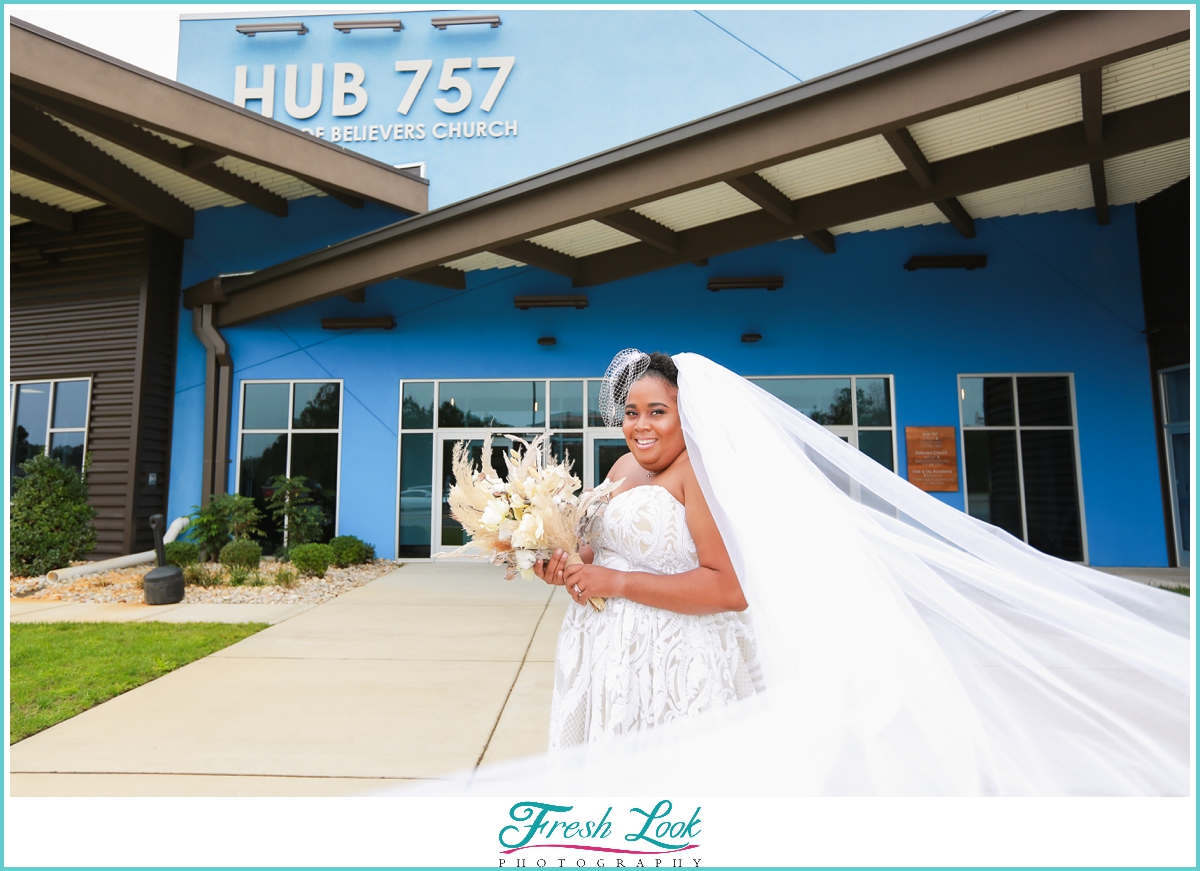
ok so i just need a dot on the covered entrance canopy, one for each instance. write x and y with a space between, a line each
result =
1022 112
109 166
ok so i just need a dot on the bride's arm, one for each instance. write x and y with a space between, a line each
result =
709 589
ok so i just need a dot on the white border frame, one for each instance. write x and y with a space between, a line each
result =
1016 428
237 467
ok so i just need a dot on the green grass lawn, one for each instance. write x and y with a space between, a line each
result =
61 669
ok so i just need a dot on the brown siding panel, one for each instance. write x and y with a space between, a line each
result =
77 300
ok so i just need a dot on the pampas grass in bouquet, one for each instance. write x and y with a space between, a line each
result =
516 521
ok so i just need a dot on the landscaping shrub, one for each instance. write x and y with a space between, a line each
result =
50 522
285 577
237 575
312 559
244 554
291 506
182 553
224 517
200 575
281 555
349 550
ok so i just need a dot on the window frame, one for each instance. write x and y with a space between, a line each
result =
237 471
851 429
1016 428
1168 428
588 432
14 392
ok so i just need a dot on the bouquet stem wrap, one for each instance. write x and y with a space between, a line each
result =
596 602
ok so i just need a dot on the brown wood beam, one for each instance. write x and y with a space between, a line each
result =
765 195
957 215
28 165
911 156
440 276
38 135
823 239
542 257
210 291
357 295
993 58
41 62
1091 94
775 203
643 229
197 156
341 196
41 213
914 160
1145 126
146 144
1092 97
1099 191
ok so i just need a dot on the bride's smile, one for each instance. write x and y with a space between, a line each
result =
651 424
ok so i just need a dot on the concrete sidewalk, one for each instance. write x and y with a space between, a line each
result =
426 670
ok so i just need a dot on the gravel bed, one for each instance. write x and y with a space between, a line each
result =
125 586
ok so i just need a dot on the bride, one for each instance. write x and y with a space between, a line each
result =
669 643
899 646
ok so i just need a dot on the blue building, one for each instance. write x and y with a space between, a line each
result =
964 250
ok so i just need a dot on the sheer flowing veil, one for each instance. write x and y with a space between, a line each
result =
907 648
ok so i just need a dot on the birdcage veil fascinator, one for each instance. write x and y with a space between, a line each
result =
627 367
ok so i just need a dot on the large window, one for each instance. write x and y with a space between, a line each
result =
435 415
49 417
1020 453
858 408
291 428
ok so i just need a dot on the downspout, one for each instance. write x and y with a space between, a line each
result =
217 401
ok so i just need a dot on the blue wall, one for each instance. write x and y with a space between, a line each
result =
242 239
583 81
1059 294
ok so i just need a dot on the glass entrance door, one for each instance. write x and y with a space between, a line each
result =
1176 390
449 533
604 447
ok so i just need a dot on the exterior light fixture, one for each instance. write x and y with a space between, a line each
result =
524 303
759 282
546 341
384 323
955 261
368 24
443 23
273 27
751 338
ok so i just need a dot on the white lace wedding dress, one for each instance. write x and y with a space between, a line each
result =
632 666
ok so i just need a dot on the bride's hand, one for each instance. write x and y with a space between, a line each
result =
551 570
585 582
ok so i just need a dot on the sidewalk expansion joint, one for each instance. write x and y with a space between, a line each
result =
516 677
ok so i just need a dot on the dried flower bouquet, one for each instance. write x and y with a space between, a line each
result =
516 521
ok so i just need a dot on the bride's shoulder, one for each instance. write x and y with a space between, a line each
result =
623 467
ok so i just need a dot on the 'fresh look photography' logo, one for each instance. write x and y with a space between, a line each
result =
651 834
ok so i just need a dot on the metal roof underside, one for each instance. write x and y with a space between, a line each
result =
1019 113
89 131
1130 178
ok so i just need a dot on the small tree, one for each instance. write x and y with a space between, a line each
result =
225 517
51 522
294 509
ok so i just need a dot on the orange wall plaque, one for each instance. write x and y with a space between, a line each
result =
932 457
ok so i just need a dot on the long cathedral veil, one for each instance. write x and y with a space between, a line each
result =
907 648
